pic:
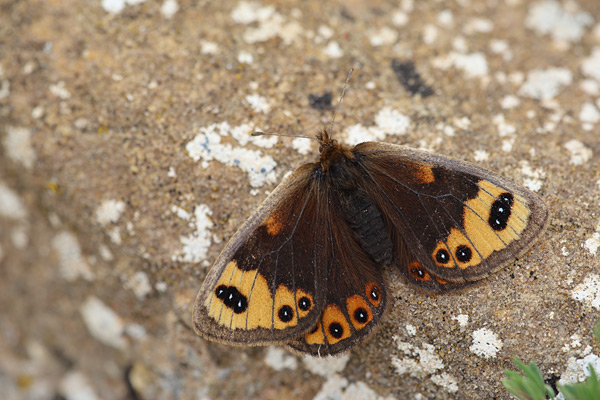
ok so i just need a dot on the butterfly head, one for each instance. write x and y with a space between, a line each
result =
331 151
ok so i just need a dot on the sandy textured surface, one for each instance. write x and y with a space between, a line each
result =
125 165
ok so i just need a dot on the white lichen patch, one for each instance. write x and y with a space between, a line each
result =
325 366
462 319
17 145
592 244
76 386
591 65
338 388
590 86
333 50
411 330
195 246
478 25
430 34
579 369
446 381
279 359
71 263
510 101
208 47
580 154
243 134
533 176
392 122
60 90
11 204
207 146
248 12
103 323
550 17
245 57
589 113
588 292
382 37
388 122
400 18
116 6
481 155
485 343
140 284
422 362
473 65
169 8
270 23
109 211
359 133
114 234
463 123
258 103
302 145
545 84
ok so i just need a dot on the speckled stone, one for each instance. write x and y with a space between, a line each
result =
100 100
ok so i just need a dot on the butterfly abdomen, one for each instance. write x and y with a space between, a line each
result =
368 225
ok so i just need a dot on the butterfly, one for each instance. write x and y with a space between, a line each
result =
305 270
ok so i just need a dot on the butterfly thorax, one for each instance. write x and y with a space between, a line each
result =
331 151
339 167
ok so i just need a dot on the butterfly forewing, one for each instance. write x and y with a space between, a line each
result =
267 285
459 221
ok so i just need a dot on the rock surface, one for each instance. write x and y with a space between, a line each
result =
125 165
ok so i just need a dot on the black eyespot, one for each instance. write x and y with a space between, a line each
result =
501 211
418 272
463 253
442 256
285 313
375 293
361 315
336 330
232 298
220 291
304 303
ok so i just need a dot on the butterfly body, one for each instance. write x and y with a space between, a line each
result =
306 268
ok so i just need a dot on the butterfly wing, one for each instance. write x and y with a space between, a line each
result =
268 283
355 293
457 222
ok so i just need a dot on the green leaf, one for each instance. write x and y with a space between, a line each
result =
528 387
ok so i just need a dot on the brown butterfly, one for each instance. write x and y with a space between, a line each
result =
306 268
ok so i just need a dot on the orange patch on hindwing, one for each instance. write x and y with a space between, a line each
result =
359 311
315 336
416 271
335 323
243 300
491 221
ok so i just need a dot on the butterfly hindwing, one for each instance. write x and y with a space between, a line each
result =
459 221
267 285
355 295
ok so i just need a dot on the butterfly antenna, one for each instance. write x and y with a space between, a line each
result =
341 98
259 133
